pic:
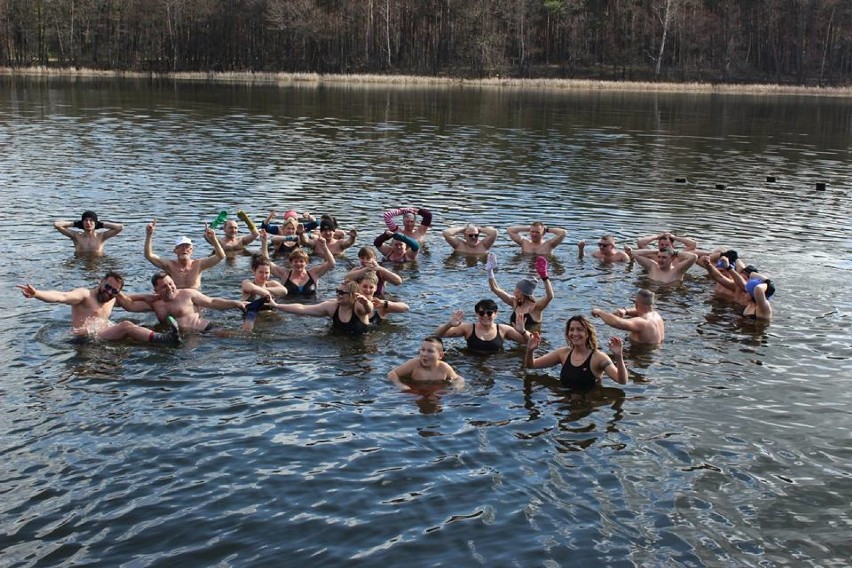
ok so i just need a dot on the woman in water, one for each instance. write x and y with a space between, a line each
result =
300 281
349 312
485 335
583 364
525 307
259 290
367 284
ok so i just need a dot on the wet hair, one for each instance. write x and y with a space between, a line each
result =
608 238
537 224
258 260
731 255
436 340
770 288
646 297
591 334
89 215
668 236
749 269
327 222
115 276
298 253
486 304
367 252
157 277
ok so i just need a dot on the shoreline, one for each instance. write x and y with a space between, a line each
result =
281 79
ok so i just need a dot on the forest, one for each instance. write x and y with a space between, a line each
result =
799 42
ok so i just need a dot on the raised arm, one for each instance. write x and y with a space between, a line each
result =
253 232
149 246
615 368
684 260
391 213
425 220
690 244
321 269
218 252
451 236
455 326
499 292
64 227
558 235
515 233
548 295
112 229
490 236
548 360
644 242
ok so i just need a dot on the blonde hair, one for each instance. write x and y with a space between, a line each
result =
299 253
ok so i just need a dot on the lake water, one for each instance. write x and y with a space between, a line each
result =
730 445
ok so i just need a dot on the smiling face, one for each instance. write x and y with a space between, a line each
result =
409 222
108 289
184 252
231 229
398 249
664 259
298 264
367 288
165 288
576 334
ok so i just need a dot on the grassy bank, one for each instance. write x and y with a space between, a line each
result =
315 79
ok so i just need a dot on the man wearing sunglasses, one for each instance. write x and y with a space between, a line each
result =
470 239
606 250
91 309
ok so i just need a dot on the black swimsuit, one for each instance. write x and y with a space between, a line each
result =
529 323
578 377
354 326
484 345
307 290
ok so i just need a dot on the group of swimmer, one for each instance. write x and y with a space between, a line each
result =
359 304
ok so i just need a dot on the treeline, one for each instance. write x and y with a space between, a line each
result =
805 42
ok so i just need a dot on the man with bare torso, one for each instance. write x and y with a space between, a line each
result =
184 270
88 240
642 320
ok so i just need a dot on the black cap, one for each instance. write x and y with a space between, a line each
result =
89 215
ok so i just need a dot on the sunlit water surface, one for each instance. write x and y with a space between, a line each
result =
729 446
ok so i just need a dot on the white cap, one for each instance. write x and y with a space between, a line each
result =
183 241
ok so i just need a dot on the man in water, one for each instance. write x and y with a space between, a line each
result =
91 309
185 270
668 266
536 244
475 240
88 240
642 320
182 304
409 222
606 250
666 241
403 248
232 242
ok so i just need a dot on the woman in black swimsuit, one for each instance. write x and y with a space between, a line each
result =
484 336
349 312
583 364
299 280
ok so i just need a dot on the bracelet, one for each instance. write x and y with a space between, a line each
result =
386 304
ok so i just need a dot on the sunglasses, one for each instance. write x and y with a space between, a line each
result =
486 312
473 236
604 245
110 289
342 292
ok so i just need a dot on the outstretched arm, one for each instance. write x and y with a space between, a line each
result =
321 269
618 322
54 296
501 293
548 360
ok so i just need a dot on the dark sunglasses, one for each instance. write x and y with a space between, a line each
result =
486 312
604 245
110 289
473 236
342 292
